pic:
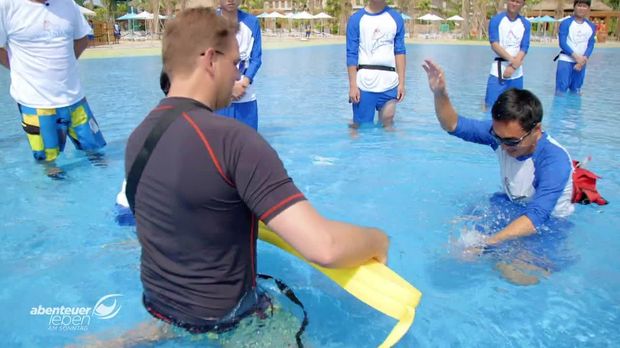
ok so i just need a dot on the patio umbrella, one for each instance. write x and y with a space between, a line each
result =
456 18
405 16
322 15
430 18
128 17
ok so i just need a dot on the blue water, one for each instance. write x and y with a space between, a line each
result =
60 245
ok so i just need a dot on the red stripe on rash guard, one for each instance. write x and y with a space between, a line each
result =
252 233
282 202
208 146
163 107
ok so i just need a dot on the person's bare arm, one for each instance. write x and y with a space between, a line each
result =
79 46
446 115
401 64
328 243
500 51
4 58
354 91
518 228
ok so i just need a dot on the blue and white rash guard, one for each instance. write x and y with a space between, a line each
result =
513 36
375 39
250 51
576 37
543 180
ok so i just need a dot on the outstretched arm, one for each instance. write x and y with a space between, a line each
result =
326 242
446 114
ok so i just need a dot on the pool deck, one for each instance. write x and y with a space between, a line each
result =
153 47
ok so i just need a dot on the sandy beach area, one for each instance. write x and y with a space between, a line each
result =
153 47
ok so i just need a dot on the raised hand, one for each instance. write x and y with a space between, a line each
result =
436 77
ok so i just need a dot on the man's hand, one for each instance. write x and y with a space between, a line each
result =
578 67
354 94
436 77
516 63
239 89
581 60
400 94
508 71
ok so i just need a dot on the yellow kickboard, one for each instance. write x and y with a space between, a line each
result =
372 283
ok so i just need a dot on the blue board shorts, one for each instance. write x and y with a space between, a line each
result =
47 129
370 102
567 78
243 112
495 87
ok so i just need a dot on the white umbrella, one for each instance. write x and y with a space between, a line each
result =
456 18
303 15
263 15
144 15
430 17
275 14
86 12
322 15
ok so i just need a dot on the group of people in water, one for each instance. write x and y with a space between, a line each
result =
198 183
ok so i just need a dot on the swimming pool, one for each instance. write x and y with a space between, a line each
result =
61 247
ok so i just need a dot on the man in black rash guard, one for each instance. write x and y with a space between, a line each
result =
209 181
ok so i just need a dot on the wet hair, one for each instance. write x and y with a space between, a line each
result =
587 2
518 105
189 34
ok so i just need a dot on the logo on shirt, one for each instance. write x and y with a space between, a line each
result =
581 36
379 39
512 39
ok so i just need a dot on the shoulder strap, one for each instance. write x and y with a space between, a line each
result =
135 173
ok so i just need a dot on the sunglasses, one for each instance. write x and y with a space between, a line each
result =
509 141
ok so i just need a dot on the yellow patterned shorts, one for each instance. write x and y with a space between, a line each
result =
47 129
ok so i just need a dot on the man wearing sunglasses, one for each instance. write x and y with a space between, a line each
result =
534 168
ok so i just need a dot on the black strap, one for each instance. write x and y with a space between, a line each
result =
499 61
286 291
135 173
558 56
376 67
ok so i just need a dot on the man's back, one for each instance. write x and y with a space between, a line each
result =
197 205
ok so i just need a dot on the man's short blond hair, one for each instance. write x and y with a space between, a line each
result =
191 33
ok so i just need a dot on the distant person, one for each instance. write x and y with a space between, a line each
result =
205 186
576 37
535 170
509 34
244 107
308 32
376 63
41 42
117 33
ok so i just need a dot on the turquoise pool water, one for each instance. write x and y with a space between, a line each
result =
61 247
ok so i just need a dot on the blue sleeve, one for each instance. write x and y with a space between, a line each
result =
551 175
525 41
590 48
399 39
257 51
494 28
353 39
474 131
563 36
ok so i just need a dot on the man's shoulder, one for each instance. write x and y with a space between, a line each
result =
551 151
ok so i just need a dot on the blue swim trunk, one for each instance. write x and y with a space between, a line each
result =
47 129
495 87
567 78
243 112
370 102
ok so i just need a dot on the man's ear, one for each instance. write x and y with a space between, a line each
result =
207 60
